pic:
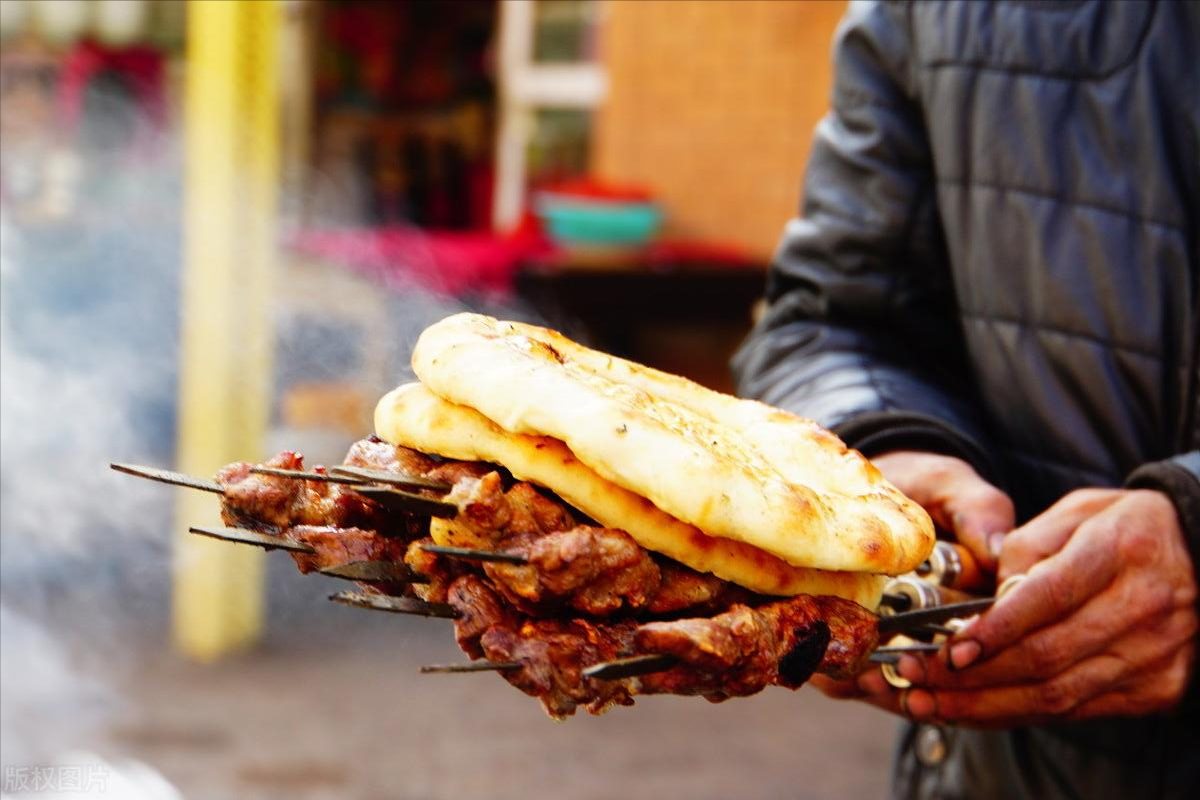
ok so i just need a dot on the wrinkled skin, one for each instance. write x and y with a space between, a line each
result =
1104 625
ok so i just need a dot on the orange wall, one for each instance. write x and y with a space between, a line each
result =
712 104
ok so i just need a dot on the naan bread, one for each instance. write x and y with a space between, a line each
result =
414 417
736 469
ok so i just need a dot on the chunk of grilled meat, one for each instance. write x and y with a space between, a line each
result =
745 649
683 589
853 636
553 654
439 571
480 610
374 453
595 571
737 653
489 515
272 503
337 546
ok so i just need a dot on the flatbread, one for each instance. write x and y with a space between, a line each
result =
414 417
736 469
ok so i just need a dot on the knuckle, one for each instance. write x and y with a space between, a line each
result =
1057 696
1176 680
1179 677
1154 602
1136 543
1086 498
1016 546
985 497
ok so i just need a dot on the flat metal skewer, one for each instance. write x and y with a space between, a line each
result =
396 500
390 498
167 476
244 536
474 666
367 475
908 620
646 664
916 647
629 667
392 571
475 555
897 602
396 605
299 474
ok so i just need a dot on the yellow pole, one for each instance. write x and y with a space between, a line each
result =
231 178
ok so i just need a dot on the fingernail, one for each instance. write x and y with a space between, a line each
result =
964 654
995 543
911 668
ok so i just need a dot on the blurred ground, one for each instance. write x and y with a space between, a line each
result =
331 706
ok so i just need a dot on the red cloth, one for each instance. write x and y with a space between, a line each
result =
143 69
456 263
448 262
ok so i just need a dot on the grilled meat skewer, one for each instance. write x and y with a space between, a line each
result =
525 612
737 653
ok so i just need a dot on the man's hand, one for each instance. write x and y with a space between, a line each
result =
959 501
1105 623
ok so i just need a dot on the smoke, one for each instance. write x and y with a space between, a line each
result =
89 320
87 339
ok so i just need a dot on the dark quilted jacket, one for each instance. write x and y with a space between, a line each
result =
998 258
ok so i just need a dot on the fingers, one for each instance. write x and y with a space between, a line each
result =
1053 589
1014 705
956 497
1046 534
1122 619
979 516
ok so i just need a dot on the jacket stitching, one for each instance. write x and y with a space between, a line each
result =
1055 75
999 187
1091 337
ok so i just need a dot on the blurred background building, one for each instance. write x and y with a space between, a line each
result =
224 222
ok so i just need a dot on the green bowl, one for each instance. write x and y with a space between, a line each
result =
579 220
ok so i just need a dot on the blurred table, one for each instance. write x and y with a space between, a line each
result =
683 310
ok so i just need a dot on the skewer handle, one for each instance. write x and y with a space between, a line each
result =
919 594
953 566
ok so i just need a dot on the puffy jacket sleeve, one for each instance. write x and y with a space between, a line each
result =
860 330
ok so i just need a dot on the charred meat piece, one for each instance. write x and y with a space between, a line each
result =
374 453
553 654
746 649
684 589
853 635
337 546
440 571
272 503
480 610
596 571
488 515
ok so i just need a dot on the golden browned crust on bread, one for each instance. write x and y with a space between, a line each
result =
414 417
736 469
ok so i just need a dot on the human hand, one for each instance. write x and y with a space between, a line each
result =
956 497
959 501
1104 624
